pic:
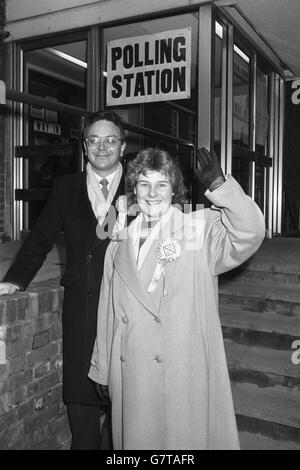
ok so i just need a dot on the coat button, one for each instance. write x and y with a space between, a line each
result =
125 320
122 359
158 358
89 257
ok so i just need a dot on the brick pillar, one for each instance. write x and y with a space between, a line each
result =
2 77
32 413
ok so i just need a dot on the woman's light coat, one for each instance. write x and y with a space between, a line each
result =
162 356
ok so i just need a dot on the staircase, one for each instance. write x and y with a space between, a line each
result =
260 316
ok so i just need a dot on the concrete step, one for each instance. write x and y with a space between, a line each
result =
260 316
273 275
262 366
256 441
263 322
254 430
259 297
260 290
268 407
265 329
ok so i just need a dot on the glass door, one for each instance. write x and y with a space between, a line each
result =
251 160
51 146
242 160
248 110
263 162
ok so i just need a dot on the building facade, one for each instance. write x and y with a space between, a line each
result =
182 74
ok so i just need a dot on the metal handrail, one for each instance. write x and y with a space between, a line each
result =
45 103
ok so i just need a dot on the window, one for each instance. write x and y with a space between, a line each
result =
218 87
58 73
262 112
241 98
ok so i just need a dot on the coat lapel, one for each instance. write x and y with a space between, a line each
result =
125 264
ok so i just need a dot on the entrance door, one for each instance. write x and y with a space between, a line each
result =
51 144
248 121
250 161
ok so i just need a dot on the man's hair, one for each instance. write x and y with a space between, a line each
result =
110 116
153 159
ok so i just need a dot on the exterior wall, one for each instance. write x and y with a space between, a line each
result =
36 19
32 414
2 153
60 15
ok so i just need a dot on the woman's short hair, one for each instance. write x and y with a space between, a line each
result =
153 159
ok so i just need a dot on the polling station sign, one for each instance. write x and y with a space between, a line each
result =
154 67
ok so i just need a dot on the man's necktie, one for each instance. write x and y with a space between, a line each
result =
104 189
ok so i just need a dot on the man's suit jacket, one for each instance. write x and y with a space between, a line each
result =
68 208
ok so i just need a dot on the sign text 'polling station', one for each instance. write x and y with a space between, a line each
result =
148 68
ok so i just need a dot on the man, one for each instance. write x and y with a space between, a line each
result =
78 205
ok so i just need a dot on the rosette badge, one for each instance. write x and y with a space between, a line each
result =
121 204
168 251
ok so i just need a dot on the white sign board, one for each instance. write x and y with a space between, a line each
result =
154 67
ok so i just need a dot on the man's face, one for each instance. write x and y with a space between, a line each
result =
103 156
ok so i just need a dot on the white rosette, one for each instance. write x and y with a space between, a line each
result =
167 252
121 207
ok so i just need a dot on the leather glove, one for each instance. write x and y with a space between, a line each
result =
102 391
209 170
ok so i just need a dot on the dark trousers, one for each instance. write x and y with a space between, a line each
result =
85 424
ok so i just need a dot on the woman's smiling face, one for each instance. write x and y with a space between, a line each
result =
153 193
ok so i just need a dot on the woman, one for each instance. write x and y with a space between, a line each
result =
159 346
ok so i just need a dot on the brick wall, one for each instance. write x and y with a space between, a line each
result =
32 414
2 77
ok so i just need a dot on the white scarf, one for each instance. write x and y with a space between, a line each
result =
190 233
99 204
135 230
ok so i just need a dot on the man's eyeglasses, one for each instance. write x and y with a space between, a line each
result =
108 142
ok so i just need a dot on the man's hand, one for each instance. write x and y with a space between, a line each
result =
8 288
102 391
209 170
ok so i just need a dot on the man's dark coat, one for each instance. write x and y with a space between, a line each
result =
69 209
